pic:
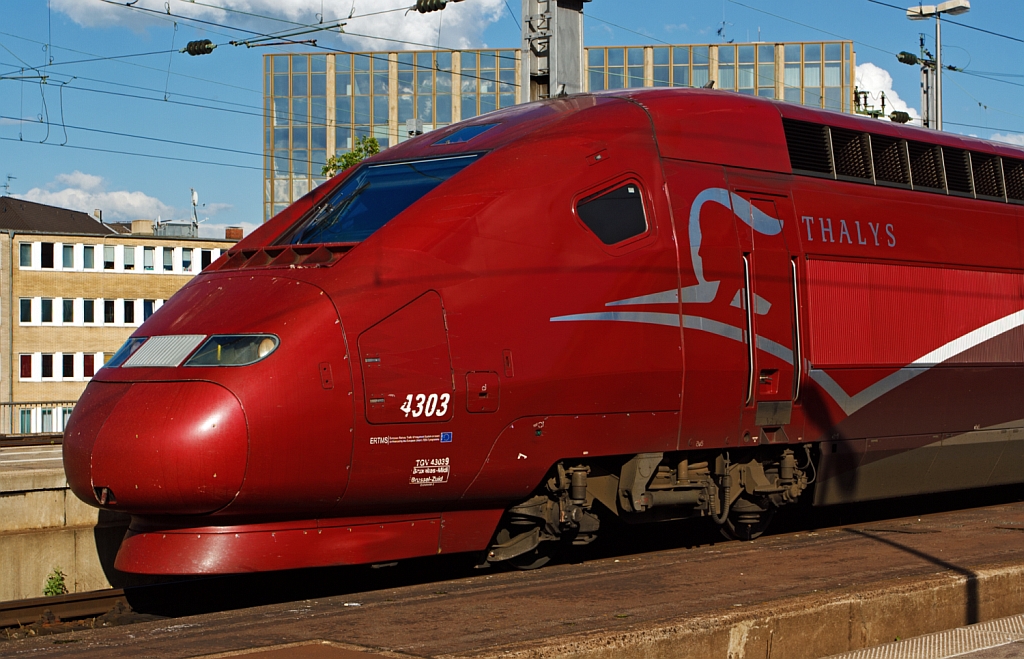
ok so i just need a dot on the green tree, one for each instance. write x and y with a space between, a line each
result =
364 148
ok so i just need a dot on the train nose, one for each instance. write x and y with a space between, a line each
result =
157 447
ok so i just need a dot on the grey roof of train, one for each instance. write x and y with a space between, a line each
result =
29 217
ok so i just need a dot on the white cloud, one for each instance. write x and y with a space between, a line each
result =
1017 139
680 27
213 209
77 179
85 192
875 80
461 24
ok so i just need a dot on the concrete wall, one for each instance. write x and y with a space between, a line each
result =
44 526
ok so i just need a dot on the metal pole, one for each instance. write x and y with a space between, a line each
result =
938 71
552 62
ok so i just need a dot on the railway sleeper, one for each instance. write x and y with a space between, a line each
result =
740 496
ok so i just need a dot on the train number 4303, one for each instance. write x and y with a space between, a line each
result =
419 405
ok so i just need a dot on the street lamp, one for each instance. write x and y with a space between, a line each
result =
920 13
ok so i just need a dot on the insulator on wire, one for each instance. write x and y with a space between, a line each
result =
202 47
424 6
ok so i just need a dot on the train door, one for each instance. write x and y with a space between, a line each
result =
768 299
711 273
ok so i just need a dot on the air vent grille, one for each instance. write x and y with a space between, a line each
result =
168 350
1014 172
890 163
988 180
926 166
808 147
958 171
287 256
852 153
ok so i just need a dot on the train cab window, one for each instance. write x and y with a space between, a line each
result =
370 197
614 215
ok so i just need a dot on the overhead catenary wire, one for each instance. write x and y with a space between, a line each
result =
134 153
1005 130
262 34
141 137
285 20
645 36
135 64
256 113
948 20
811 27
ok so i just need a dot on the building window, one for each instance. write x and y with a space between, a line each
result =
26 254
65 414
25 418
108 311
47 419
46 255
108 257
766 71
46 305
147 258
168 259
47 366
26 310
89 311
89 257
69 311
68 256
205 258
26 366
88 365
129 258
186 259
129 311
147 309
67 366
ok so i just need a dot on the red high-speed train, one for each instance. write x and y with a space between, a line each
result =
650 304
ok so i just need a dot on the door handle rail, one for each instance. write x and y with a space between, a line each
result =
748 294
798 360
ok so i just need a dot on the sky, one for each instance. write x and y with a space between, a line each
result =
125 123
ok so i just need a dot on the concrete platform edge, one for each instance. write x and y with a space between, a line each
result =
806 627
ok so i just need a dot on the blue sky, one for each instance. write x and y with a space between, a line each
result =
215 100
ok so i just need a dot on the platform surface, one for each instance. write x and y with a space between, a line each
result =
804 594
27 468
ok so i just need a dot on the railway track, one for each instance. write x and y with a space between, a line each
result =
64 607
37 440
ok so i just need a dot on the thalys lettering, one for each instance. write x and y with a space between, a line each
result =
683 348
843 232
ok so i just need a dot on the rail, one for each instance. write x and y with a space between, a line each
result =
65 607
34 419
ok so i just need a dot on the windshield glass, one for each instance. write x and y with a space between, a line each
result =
370 197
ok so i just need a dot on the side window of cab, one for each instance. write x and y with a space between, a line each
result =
616 215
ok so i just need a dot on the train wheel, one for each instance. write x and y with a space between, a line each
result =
748 519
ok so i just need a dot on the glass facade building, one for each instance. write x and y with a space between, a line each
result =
318 105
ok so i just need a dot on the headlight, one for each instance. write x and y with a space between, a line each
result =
234 350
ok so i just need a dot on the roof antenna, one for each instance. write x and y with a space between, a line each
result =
7 185
195 202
